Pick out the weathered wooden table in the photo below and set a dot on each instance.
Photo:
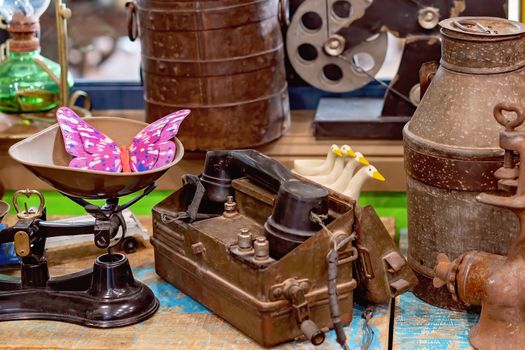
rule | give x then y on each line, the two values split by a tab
182	323
418	325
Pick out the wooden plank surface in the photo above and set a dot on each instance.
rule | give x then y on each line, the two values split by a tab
297	143
418	325
180	323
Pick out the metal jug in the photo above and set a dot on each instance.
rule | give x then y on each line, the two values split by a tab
452	151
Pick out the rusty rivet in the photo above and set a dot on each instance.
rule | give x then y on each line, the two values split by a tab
230	208
304	286
198	248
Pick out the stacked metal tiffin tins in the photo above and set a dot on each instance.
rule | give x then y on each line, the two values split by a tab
222	59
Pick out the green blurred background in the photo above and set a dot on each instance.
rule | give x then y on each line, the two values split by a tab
385	203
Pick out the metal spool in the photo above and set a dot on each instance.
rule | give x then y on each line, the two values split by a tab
222	59
319	54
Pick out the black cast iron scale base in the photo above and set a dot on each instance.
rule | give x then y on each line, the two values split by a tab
105	296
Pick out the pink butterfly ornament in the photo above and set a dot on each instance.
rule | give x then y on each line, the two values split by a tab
150	149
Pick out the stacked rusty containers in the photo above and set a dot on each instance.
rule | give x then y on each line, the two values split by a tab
452	149
223	59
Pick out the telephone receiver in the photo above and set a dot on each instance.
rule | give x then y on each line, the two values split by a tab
382	270
290	223
222	167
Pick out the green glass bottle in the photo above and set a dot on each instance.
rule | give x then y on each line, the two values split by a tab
28	81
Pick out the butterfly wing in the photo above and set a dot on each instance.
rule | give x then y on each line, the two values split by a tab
91	148
152	147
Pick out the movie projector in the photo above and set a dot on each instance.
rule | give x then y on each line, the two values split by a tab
339	46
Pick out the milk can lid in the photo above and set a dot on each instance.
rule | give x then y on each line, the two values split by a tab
483	26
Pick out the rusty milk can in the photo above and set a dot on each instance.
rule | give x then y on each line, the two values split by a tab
452	150
223	59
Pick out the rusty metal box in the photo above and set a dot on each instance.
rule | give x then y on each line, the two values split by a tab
198	259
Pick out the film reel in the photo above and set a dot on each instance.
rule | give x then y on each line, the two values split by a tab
318	53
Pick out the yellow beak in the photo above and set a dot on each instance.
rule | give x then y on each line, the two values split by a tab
377	175
363	161
338	152
350	153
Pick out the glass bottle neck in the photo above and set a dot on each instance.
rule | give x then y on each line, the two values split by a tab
20	55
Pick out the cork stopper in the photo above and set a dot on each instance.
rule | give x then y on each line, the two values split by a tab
22	31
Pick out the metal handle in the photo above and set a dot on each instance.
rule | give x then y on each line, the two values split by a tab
470	26
262	169
133	28
26	214
283	14
427	72
509	124
366	262
75	97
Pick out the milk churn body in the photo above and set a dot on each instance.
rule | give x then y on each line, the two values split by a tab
224	60
452	150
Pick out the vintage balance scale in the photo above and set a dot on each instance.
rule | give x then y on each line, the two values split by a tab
106	295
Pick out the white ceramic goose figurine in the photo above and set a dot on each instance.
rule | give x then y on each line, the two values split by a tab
336	171
313	167
353	190
348	172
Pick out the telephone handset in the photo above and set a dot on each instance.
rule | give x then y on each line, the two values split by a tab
282	225
290	223
221	167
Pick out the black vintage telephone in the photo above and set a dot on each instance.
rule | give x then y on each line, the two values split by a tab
248	191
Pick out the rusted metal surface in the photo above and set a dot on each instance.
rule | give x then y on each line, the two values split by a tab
451	146
223	59
378	253
427	72
242	293
450	173
471	40
273	294
490	280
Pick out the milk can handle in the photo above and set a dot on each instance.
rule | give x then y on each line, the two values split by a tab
283	14
470	26
133	26
509	124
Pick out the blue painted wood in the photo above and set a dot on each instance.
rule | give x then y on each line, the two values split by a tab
113	95
180	323
174	301
418	325
129	95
